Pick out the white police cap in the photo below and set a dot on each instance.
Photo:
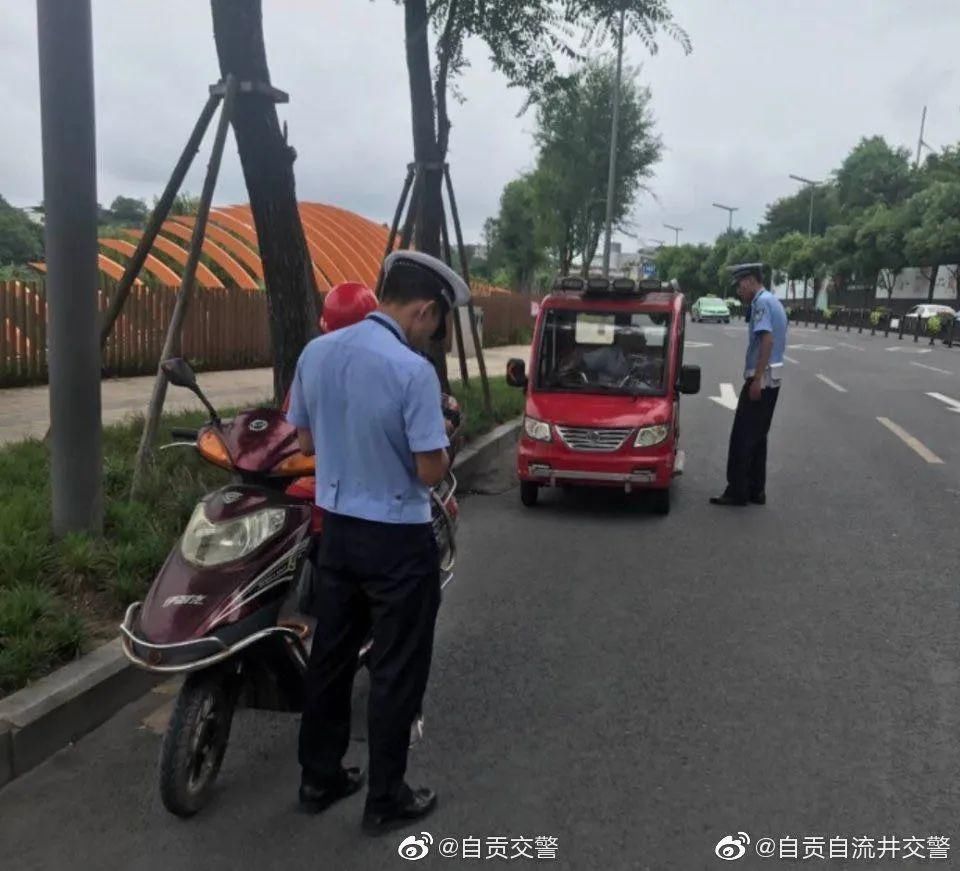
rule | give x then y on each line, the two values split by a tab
451	287
742	270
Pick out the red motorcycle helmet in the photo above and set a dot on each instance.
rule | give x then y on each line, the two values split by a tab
346	304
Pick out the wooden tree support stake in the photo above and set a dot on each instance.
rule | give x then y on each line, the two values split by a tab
172	340
465	269
160	213
410	200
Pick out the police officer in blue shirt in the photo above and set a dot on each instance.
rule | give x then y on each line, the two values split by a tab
747	457
369	404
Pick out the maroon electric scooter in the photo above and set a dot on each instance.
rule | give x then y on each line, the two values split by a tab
229	608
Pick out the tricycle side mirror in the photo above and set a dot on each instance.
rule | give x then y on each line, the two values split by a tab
179	373
516	373
689	379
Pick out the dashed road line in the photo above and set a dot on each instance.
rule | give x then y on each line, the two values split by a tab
852	346
832	384
931	368
911	442
791	360
952	404
908	350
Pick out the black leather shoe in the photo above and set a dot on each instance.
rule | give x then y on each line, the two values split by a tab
416	804
314	799
727	500
760	499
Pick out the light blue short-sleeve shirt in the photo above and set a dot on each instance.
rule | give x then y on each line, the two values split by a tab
371	402
767	315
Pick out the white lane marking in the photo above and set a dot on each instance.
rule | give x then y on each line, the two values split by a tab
832	384
852	346
727	397
909	350
931	368
790	360
811	347
698	344
911	442
952	404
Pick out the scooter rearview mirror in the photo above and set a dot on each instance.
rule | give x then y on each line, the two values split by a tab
179	373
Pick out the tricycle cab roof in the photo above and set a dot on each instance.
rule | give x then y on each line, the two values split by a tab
620	294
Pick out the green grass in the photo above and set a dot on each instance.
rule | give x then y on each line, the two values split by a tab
507	402
57	598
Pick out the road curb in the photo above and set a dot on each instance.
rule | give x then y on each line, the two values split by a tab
58	709
474	459
64	706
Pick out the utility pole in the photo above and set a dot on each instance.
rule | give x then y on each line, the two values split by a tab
65	42
729	210
920	142
677	231
614	135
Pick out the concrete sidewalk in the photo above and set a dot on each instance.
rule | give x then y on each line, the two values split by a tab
25	411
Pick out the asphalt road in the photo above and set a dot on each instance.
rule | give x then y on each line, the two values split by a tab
636	687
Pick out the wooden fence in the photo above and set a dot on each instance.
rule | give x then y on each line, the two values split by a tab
224	329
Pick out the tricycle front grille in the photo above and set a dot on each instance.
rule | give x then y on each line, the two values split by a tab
593	440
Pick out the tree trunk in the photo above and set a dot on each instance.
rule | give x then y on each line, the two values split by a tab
267	163
933	281
426	151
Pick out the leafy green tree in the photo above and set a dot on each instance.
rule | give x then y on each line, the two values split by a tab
792	213
184	203
933	238
880	254
685	264
942	166
20	238
573	133
710	270
518	247
835	254
874	173
527	42
128	211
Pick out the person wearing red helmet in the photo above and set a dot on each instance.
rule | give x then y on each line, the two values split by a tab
345	305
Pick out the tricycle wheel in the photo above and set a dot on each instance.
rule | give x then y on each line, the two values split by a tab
661	501
195	741
529	491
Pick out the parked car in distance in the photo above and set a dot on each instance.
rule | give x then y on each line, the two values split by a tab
927	311
710	308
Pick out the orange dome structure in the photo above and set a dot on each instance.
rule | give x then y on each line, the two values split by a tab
343	247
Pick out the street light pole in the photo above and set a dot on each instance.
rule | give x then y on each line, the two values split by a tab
614	134
813	187
677	231
920	142
65	43
729	210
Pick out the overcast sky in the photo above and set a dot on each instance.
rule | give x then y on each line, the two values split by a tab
772	87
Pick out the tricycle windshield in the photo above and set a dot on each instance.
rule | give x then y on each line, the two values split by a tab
589	351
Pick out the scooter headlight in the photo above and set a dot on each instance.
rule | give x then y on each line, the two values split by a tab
206	543
537	429
651	435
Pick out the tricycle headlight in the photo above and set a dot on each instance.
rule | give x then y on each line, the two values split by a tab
537	429
206	543
648	436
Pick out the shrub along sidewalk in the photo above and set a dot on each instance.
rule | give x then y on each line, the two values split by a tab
58	599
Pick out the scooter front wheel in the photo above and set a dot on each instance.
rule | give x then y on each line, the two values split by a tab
195	741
